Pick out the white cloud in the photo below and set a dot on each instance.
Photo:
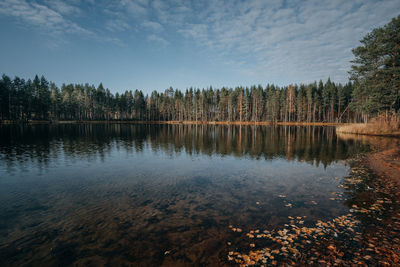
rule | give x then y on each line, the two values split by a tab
300	41
42	16
158	39
53	22
270	40
296	40
117	25
135	7
152	25
63	7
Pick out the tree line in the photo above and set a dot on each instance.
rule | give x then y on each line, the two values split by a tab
39	99
373	88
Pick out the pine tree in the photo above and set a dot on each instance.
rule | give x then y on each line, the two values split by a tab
376	70
290	102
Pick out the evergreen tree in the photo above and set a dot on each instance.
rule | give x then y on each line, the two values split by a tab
39	99
376	70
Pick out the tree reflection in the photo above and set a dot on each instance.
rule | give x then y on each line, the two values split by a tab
20	144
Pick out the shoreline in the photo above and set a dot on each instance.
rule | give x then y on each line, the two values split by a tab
369	129
366	236
385	163
357	129
267	123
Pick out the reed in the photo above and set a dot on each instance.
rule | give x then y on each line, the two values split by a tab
384	125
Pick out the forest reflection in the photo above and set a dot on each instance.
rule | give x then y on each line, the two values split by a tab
42	143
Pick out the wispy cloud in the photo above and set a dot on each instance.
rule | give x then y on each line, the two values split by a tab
42	16
55	19
63	7
134	7
151	25
117	25
263	40
158	39
303	40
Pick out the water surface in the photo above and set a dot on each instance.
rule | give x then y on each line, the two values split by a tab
152	195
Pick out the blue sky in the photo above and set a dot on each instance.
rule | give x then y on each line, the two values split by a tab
153	44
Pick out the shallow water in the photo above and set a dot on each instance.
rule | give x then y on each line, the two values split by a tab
158	194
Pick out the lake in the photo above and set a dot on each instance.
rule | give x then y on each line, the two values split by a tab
150	195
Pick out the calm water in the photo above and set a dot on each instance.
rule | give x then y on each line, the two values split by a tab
150	195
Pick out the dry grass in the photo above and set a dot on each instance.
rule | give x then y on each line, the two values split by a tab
383	126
